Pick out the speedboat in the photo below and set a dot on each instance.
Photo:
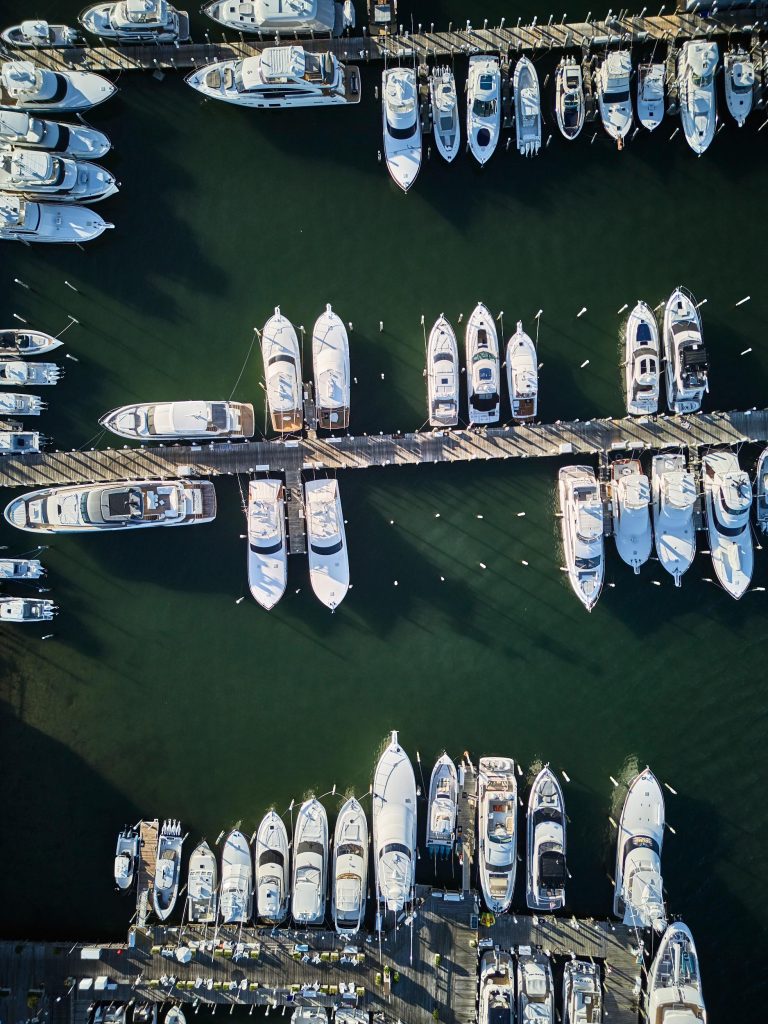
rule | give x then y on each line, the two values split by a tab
349	886
442	807
739	84
650	95
401	125
497	831
24	221
674	993
279	77
127	505
696	67
328	559
497	988
16	373
300	17
684	352
569	98
26	343
582	519
26	609
126	858
761	491
57	179
202	881
482	354
21	569
167	869
546	875
23	86
20	405
442	375
330	362
394	829
582	993
39	34
12	442
310	864
170	421
271	858
728	499
282	370
673	495
631	497
483	107
267	553
137	21
236	895
174	1015
638	895
535	988
522	376
641	361
27	132
613	95
445	112
527	108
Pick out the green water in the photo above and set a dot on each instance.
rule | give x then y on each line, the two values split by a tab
159	695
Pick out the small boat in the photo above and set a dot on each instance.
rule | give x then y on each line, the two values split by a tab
20	405
349	886
26	609
23	86
535	988
728	499
674	982
21	569
202	883
483	107
582	510
236	894
613	95
136	21
642	362
522	376
267	552
445	112
144	1013
310	864
328	558
650	95
442	375
761	491
394	829
673	496
582	993
39	34
442	807
282	370
497	988
687	368
25	221
546	875
171	421
126	857
27	132
271	860
696	68
26	343
175	1015
482	354
301	17
167	869
639	895
401	126
330	362
497	831
631	498
56	179
527	108
569	98
13	442
16	373
739	84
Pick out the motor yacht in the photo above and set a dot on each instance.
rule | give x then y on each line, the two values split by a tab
739	84
330	363
171	421
482	354
394	829
761	491
20	405
39	34
349	887
638	895
497	831
20	129
650	95
497	988
631	499
23	86
401	126
673	496
684	352
522	376
13	442
569	98
21	569
267	551
535	988
26	609
136	21
236	896
546	874
202	883
642	361
696	68
483	107
25	221
271	17
445	112
581	508
582	993
527	108
56	179
310	864
127	505
271	859
282	371
728	499
328	559
126	858
167	869
442	807
442	375
16	373
613	95
674	993
26	343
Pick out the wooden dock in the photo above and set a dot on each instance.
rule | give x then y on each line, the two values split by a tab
145	880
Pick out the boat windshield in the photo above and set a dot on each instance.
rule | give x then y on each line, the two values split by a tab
616	97
401	133
484	108
703	81
587	563
332	549
271	857
395	848
349	850
266	549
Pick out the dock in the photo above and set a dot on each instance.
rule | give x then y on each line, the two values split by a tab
145	880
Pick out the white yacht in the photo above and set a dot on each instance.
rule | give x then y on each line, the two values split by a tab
136	21
696	68
26	343
394	829
581	508
26	609
310	864
482	355
202	883
582	993
613	95
330	363
126	858
650	95
12	442
15	373
674	993
401	125
497	831
127	505
236	895
497	988
23	86
349	886
267	552
271	859
522	376
326	537
25	221
170	421
445	112
56	179
761	491
442	807
673	494
642	362
174	1015
39	34
300	17
20	129
569	98
684	353
21	569
167	869
527	108
282	372
483	107
638	895
546	875
739	84
20	404
535	988
728	499
631	499
442	375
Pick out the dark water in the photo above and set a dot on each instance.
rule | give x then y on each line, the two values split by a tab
159	695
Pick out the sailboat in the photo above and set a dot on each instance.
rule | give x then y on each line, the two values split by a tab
394	828
638	895
442	807
349	884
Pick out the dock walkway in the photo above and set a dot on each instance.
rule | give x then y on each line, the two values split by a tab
145	877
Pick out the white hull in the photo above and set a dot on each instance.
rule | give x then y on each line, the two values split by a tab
674	983
650	95
497	989
445	113
483	107
167	869
22	220
21	569
173	421
642	361
282	372
236	896
443	375
58	92
582	993
673	495
546	845
103	19
761	491
522	376
535	990
527	108
697	60
569	98
310	864
683	338
202	879
631	496
300	18
582	525
23	344
267	552
442	806
497	831
394	828
38	34
401	126
271	859
20	404
36	174
638	897
350	869
482	355
15	373
739	85
23	131
330	363
126	858
730	535
327	542
613	95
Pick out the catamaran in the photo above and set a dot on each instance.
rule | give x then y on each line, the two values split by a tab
483	107
569	98
401	125
267	552
349	885
282	372
126	858
236	897
527	108
673	496
631	497
394	829
27	132
582	993
443	375
26	343
23	86
546	875
202	879
728	499
445	112
482	354
581	509
310	863
650	95
497	831
497	988
442	807
674	993
167	869
686	358
535	988
171	421
613	95
522	376
638	894
271	859
696	68
739	84
327	541
330	363
642	361
136	21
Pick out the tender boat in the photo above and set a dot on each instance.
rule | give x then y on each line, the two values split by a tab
57	179
546	875
26	343
684	352
650	95
16	373
202	883
482	354
27	132
497	988
300	17
236	896
582	993
443	375
569	98
167	869
25	221
613	95
21	569
535	988
642	361
271	859
673	494
445	112
674	993
310	864
328	559
631	498
522	376
137	21
330	363
282	370
442	807
26	609
23	86
638	895
497	831
401	126
739	84
169	421
349	887
728	499
394	829
582	510
483	107
761	491
696	68
527	108
127	505
20	405
12	442
126	858
267	552
39	34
